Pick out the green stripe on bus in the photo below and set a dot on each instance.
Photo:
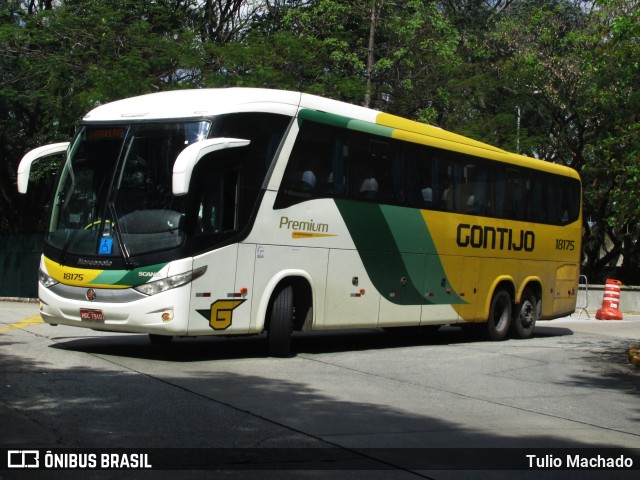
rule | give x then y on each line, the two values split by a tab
345	122
326	118
398	253
371	128
409	230
379	252
411	234
130	278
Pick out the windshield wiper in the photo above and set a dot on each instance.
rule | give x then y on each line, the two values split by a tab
118	234
65	249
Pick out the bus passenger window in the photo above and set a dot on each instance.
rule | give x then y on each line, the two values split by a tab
571	189
566	194
481	204
316	166
515	195
372	169
553	201
445	187
500	191
472	178
398	178
419	177
539	206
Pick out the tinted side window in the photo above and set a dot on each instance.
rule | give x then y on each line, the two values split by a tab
317	167
226	184
540	202
265	130
471	186
429	178
566	197
329	161
376	171
511	193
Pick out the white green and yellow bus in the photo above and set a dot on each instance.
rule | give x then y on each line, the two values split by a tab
239	211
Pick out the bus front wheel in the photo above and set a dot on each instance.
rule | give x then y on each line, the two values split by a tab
499	315
281	323
525	319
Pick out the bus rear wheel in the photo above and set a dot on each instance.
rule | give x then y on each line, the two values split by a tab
499	315
281	323
525	319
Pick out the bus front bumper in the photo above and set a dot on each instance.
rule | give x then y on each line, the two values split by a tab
116	310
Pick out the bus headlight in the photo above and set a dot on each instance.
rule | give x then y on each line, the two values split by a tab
45	279
165	284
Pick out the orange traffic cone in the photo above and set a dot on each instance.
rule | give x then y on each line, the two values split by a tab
610	302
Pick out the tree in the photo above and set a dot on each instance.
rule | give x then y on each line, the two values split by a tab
614	157
58	63
572	69
554	79
381	53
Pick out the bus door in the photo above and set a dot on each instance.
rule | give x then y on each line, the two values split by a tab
218	304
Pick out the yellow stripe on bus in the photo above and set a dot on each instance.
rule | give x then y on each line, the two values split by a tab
311	235
69	275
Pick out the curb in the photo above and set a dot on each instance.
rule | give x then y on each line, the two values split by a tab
634	356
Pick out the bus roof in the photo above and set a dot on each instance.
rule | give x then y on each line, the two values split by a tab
201	103
190	103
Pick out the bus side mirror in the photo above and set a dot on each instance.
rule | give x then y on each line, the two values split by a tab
190	156
36	154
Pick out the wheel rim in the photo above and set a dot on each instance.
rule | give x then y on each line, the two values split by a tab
527	314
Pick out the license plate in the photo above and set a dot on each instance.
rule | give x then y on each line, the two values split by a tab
91	314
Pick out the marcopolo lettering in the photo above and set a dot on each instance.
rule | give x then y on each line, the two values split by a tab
495	238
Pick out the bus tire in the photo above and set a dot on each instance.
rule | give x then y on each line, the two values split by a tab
499	315
528	312
281	323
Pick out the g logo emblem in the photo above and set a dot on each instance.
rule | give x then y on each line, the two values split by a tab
220	315
91	294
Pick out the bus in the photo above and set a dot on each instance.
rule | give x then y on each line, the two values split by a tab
241	211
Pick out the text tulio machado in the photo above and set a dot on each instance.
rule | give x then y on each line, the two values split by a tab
579	462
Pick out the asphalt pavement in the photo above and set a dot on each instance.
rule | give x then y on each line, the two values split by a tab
345	389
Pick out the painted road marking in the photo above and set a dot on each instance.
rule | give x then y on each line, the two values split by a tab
34	320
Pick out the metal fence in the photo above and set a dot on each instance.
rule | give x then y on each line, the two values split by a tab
19	261
582	303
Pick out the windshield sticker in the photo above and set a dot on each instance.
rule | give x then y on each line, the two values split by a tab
106	245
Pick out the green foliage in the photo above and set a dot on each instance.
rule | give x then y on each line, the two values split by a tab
60	63
554	79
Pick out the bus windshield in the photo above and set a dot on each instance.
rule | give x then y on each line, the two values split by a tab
114	195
